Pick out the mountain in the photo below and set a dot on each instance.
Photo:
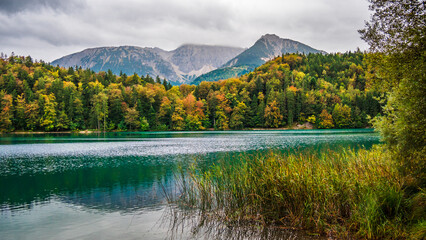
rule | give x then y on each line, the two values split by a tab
186	64
181	65
191	61
266	48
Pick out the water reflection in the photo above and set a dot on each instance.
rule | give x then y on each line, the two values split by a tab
102	179
119	184
192	224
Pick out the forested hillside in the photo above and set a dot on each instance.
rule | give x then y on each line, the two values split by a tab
328	91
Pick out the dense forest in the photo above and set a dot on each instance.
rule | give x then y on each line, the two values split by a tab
328	91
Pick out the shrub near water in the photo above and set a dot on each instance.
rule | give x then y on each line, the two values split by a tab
340	194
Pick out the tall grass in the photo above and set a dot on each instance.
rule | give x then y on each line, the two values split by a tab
341	194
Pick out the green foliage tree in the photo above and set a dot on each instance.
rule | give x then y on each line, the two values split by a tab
166	111
115	99
396	35
62	121
152	117
291	104
78	117
359	118
48	119
144	124
32	113
222	121
192	122
260	118
341	115
252	112
238	116
100	109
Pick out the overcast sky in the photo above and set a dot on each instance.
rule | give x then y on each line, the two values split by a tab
49	29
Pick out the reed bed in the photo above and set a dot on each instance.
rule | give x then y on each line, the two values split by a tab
345	194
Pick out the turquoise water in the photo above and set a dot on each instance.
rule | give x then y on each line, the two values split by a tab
111	185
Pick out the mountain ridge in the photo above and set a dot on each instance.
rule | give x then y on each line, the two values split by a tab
264	49
189	63
178	66
274	46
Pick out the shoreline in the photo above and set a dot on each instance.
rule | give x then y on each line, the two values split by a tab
294	127
59	132
304	126
205	130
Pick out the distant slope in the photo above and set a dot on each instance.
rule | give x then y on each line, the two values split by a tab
126	59
266	48
191	60
223	73
181	65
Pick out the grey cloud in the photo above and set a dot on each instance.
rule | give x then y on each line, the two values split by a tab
63	26
16	6
56	31
209	14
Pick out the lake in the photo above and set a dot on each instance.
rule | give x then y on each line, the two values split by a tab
111	185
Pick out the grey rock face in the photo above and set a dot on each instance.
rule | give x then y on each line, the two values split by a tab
181	65
186	64
266	48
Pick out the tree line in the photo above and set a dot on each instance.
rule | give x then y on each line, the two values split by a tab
328	91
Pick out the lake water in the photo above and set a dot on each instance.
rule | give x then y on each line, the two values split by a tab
111	186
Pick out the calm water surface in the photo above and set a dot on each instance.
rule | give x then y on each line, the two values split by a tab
111	186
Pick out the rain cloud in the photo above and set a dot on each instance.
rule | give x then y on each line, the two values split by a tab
49	29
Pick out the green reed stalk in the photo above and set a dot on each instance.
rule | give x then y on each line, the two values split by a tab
342	194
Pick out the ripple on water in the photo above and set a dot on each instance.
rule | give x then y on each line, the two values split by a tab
112	186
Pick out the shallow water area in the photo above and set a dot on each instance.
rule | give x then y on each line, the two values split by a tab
111	185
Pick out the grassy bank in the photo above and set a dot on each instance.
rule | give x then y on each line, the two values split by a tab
346	194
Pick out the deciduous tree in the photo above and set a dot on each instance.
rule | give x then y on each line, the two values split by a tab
397	38
325	120
6	114
131	118
273	116
238	116
342	115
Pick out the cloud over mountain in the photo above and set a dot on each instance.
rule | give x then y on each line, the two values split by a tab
49	29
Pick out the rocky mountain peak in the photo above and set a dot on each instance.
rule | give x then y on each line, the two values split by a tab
178	66
187	62
270	37
264	49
